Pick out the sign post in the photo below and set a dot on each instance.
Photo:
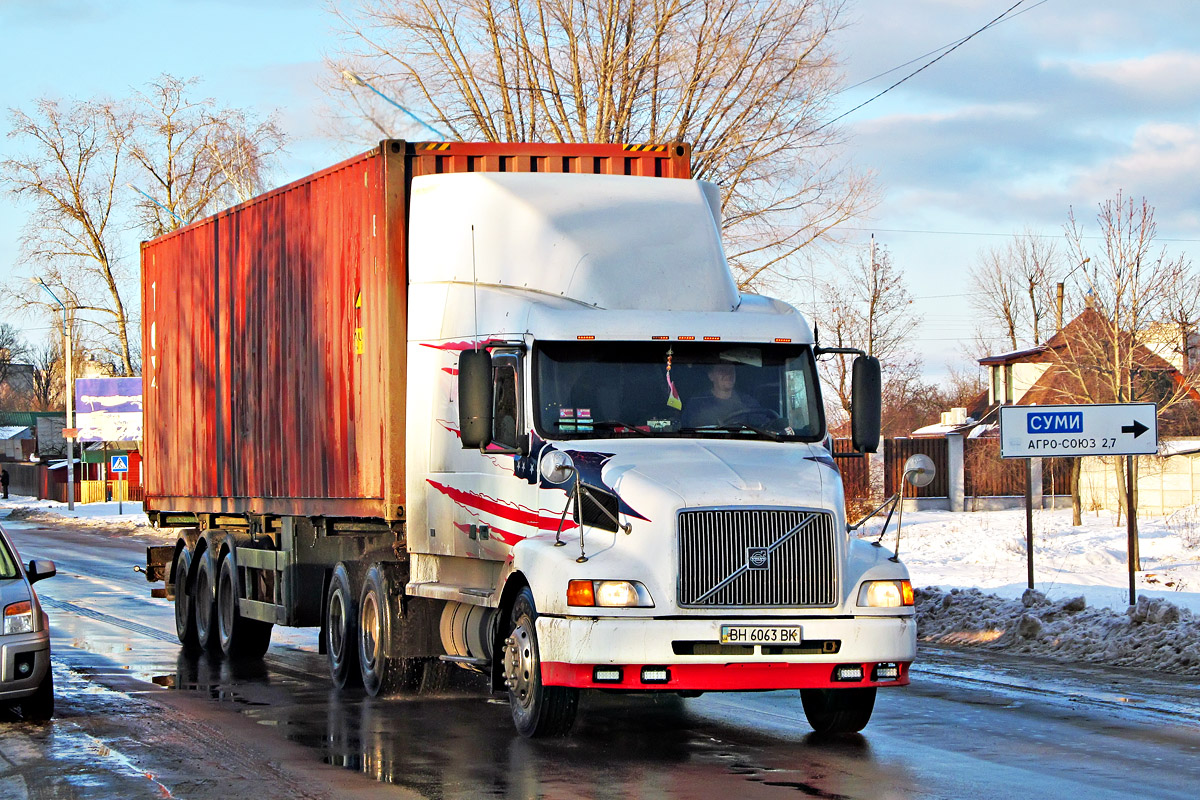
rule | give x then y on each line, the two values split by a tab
119	465
1114	429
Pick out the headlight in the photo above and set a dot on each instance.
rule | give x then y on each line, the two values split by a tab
18	617
610	594
886	594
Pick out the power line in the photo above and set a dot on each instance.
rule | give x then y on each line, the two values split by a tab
1010	234
955	43
918	71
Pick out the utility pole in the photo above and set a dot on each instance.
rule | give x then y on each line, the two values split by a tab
70	396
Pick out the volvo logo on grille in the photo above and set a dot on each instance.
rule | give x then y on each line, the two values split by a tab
758	558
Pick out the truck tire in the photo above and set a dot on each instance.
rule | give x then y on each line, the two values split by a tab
341	629
382	673
185	617
538	711
837	711
240	637
39	706
204	603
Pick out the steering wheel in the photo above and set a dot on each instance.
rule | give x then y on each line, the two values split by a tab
758	417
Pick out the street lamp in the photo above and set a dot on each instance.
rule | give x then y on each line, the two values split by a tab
357	81
70	398
1062	283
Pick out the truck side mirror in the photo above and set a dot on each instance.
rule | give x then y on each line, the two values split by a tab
866	404
475	398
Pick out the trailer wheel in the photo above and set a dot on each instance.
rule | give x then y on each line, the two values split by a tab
185	617
836	711
240	637
537	710
205	604
341	629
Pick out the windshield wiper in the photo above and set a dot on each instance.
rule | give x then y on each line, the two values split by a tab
738	428
613	424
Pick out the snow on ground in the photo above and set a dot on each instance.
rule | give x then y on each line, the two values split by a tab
123	519
971	571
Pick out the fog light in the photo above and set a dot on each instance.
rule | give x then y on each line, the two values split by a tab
655	675
848	673
885	672
607	675
23	665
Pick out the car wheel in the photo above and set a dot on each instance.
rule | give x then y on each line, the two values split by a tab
39	706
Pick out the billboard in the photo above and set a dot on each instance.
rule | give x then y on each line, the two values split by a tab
108	409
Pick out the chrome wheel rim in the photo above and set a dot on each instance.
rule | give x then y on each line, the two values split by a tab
337	626
520	664
370	631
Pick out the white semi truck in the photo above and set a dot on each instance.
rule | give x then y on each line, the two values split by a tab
504	406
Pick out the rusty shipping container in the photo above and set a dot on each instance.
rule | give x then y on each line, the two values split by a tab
274	333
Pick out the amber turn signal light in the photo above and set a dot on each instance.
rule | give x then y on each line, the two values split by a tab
580	593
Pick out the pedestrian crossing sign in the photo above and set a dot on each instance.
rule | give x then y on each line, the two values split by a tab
119	463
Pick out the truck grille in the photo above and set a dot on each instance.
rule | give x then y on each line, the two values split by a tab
731	558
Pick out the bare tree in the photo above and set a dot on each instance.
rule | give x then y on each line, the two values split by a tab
47	378
1108	353
747	82
1012	288
70	174
195	154
869	307
13	351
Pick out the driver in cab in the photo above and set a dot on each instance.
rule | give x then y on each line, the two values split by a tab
725	405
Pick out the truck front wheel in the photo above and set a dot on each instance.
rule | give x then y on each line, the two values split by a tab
537	710
835	711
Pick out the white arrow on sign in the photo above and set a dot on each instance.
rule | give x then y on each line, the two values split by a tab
1112	429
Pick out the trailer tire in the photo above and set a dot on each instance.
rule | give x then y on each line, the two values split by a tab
205	604
838	711
341	629
538	711
240	637
185	616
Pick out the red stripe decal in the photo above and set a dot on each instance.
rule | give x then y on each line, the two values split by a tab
522	515
460	346
715	677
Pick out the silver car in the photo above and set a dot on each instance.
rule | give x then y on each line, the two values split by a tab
25	677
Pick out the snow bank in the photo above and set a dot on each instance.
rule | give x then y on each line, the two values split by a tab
1153	635
101	517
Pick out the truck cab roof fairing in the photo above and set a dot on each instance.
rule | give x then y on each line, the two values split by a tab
610	241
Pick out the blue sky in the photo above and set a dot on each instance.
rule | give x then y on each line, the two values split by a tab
1058	107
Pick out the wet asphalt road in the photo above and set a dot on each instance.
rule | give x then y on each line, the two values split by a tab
138	719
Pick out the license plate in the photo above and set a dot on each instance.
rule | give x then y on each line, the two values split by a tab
760	634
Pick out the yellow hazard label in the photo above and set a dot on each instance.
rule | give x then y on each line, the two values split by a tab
645	148
358	341
358	300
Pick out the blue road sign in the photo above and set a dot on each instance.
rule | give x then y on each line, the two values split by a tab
119	463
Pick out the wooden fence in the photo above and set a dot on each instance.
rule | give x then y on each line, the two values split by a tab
897	451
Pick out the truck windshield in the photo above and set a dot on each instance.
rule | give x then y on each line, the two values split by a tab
606	389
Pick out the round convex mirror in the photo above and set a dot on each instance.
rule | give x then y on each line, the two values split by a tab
919	470
557	466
